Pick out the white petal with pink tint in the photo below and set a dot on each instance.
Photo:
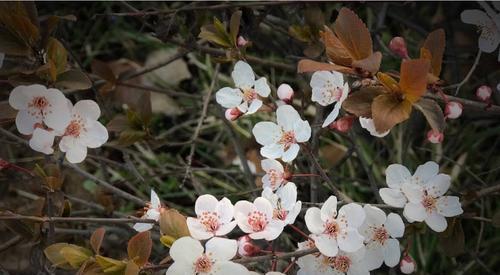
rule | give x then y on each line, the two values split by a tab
369	125
453	109
42	141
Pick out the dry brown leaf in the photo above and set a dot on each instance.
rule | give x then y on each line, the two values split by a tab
388	110
360	103
307	65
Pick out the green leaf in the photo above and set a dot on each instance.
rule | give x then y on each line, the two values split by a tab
210	33
67	256
57	54
130	136
110	265
234	26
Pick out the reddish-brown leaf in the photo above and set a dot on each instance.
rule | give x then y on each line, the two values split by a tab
432	112
370	64
435	44
360	103
139	248
335	50
353	34
97	238
388	110
103	70
307	65
413	78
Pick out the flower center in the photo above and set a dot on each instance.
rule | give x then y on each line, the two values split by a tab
38	105
280	214
380	235
203	264
210	220
429	203
249	94
74	128
287	139
257	220
332	228
340	263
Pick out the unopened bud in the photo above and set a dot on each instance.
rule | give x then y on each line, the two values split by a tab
233	114
435	136
4	164
453	109
483	93
241	42
246	247
285	93
407	265
398	47
343	124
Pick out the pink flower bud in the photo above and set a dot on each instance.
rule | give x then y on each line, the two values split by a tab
285	93
343	124
453	109
4	164
246	247
233	114
483	93
435	136
407	264
241	42
398	47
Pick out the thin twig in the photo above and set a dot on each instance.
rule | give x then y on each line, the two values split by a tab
472	69
74	219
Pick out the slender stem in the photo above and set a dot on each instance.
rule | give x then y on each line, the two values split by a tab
6	216
472	69
302	233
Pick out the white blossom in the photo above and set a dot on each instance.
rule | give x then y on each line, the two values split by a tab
275	174
380	232
214	218
190	257
257	220
488	25
153	210
332	231
246	95
281	139
38	105
328	88
427	203
342	263
83	130
396	175
284	201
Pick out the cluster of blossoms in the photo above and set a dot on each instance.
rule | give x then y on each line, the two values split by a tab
421	194
45	114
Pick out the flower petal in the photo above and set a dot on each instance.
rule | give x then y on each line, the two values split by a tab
262	88
186	250
290	154
438	185
329	208
141	227
229	97
96	134
302	130
269	164
241	211
414	212
243	75
449	206
266	133
254	106
225	210
205	203
332	116
292	215
221	249
42	141
264	206
413	192
326	245
425	172
436	222
287	195
351	240
227	267
392	252
374	257
374	215
286	117
369	125
76	153
272	151
180	268
313	220
198	230
393	197
25	122
272	231
88	109
354	215
394	225
225	228
396	175
22	95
